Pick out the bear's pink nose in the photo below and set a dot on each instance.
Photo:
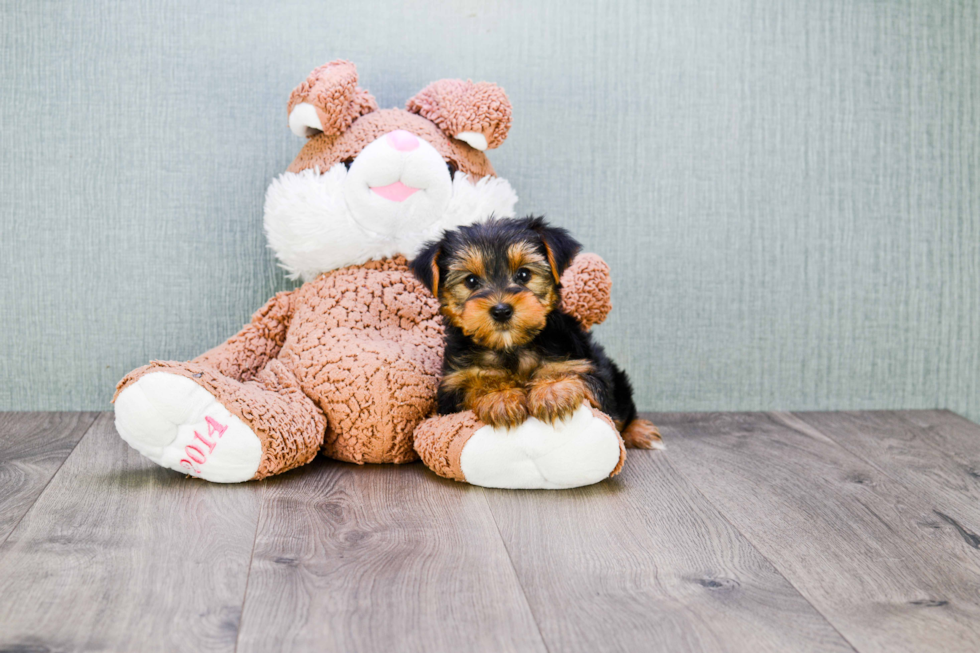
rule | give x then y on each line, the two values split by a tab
402	141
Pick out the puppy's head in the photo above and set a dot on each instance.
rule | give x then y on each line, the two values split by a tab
498	280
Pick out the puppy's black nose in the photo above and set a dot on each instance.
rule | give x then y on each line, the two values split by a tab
501	312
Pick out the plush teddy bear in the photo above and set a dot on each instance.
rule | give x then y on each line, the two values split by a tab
348	364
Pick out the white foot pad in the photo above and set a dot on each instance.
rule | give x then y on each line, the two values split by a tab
178	424
581	450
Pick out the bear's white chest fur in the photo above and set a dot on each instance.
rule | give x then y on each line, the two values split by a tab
312	227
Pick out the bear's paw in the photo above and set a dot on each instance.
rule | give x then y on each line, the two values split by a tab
177	424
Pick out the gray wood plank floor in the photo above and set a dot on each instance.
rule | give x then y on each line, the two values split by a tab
751	532
868	552
32	448
374	558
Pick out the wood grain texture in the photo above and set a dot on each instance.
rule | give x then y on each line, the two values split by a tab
644	563
788	193
32	448
870	554
752	532
935	454
381	558
118	554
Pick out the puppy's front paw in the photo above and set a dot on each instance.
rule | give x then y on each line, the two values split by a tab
502	408
551	400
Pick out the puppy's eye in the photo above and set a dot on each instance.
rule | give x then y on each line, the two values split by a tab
452	169
472	281
523	276
347	163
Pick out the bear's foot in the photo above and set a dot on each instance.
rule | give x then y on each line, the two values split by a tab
581	450
176	423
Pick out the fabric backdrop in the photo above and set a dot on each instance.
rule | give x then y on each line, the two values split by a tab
788	192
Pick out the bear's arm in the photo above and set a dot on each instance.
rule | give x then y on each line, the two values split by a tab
245	353
586	287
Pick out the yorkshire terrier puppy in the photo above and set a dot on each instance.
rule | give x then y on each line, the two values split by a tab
511	351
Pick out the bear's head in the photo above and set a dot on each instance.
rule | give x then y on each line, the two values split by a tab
374	183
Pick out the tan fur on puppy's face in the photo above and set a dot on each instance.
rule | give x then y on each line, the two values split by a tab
528	320
453	293
542	283
480	278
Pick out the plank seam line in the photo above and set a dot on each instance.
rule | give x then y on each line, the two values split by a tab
871	463
517	577
248	573
780	419
95	418
898	482
763	555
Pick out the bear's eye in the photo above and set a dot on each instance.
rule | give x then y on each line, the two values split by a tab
452	168
472	281
347	163
523	276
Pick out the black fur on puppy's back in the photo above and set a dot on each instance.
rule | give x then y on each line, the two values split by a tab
563	336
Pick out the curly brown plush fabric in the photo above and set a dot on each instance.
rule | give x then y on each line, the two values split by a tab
458	106
244	354
351	120
367	345
586	288
358	354
622	446
288	424
322	151
439	441
333	91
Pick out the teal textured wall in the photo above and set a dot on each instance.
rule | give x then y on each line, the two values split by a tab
788	192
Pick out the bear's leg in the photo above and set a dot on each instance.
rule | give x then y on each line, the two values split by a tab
581	450
192	419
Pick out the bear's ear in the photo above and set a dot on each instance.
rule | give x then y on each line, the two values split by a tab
425	266
559	246
478	114
328	101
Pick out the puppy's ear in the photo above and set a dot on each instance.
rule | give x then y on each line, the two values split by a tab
559	245
425	266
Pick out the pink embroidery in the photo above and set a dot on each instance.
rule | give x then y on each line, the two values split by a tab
193	447
195	454
189	466
214	426
207	443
